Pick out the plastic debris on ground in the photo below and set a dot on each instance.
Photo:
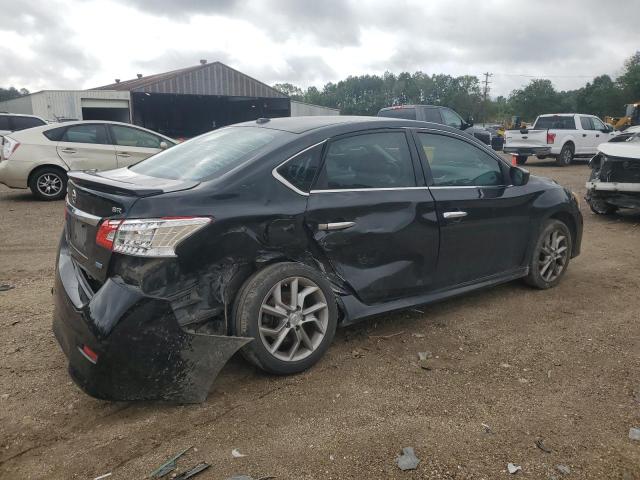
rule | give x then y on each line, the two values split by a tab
486	428
408	459
634	433
106	475
541	446
563	469
235	453
5	286
513	469
168	466
201	467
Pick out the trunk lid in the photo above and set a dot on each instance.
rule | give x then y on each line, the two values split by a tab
93	197
525	138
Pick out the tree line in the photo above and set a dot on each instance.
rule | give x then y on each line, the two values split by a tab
366	94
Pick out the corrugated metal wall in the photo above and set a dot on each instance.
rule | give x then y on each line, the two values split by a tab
67	104
300	109
17	105
216	79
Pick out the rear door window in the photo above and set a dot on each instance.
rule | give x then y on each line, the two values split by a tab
91	133
454	162
22	123
373	160
557	122
408	113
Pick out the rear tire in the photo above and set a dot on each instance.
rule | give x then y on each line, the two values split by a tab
566	155
48	183
286	339
551	255
521	159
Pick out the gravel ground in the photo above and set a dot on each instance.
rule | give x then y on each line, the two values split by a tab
559	365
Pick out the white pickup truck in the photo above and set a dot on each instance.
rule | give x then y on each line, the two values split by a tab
563	136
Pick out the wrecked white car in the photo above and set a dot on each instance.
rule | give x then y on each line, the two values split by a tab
615	177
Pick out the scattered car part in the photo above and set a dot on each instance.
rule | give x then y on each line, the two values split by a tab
408	459
513	469
201	467
170	465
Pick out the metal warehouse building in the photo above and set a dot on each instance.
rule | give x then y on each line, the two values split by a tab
180	103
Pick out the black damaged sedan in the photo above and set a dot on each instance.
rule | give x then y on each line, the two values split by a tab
265	236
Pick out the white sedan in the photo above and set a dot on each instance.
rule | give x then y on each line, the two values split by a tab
39	158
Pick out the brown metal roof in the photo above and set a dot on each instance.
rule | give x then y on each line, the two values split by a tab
209	79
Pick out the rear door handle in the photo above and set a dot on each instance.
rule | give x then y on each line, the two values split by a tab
335	225
453	215
123	154
69	150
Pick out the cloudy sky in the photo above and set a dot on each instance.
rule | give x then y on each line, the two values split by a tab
86	43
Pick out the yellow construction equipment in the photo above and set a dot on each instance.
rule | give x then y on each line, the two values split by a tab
631	117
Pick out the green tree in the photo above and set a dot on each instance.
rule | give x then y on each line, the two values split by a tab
629	81
289	89
600	97
11	92
536	98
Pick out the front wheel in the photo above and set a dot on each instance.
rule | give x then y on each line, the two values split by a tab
551	255
290	311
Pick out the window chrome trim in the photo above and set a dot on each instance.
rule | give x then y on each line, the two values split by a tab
283	180
381	189
83	216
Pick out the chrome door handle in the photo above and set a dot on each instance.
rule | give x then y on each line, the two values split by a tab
69	150
450	215
122	154
335	225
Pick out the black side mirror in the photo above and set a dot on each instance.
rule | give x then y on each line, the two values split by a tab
469	121
519	176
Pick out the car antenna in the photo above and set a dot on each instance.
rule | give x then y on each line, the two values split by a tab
263	120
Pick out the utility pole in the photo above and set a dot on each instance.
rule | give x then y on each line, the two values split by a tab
485	92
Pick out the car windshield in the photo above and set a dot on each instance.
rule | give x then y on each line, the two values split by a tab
210	155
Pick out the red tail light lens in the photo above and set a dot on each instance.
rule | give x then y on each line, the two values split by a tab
89	354
551	137
107	233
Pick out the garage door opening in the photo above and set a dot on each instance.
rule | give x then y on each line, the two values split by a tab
186	116
112	114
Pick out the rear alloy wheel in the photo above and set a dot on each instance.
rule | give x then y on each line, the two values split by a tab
550	256
566	155
521	159
49	183
290	311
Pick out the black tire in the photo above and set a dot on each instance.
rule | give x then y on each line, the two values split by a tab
248	313
521	159
600	207
566	155
536	277
541	157
54	177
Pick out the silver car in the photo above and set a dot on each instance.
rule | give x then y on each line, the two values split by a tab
39	158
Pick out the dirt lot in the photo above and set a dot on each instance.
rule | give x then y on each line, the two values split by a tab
560	365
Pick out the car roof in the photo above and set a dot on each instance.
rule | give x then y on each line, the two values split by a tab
20	115
400	107
566	115
307	124
52	126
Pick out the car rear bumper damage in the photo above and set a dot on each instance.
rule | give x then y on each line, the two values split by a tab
124	345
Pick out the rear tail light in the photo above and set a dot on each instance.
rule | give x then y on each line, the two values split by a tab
153	237
551	137
9	147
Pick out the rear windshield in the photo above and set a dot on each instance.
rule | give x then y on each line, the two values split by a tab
557	122
210	155
408	113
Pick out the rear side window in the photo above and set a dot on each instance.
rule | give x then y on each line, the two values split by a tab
55	134
374	160
432	115
586	123
91	133
558	122
454	162
4	123
210	155
408	113
22	123
301	170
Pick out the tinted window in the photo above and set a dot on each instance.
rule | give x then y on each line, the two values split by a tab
4	123
55	134
301	170
454	162
586	123
557	122
375	160
22	123
91	133
431	115
210	155
451	118
400	112
132	137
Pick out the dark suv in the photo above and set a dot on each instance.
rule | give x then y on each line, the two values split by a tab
266	235
437	114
